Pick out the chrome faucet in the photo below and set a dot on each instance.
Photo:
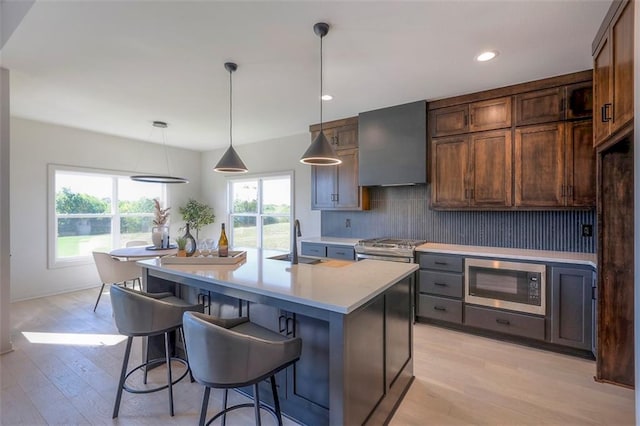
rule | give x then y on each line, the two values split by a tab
294	249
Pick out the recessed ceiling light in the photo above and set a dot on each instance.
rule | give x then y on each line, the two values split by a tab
326	97
487	56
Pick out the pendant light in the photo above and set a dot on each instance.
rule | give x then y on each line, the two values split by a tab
161	178
230	161
320	152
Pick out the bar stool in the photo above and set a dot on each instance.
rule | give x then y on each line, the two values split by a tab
148	314
232	353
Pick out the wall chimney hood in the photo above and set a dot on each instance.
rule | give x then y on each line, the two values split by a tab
393	145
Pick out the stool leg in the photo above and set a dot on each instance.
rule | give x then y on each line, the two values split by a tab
146	360
166	350
205	403
99	295
224	406
186	355
276	400
256	402
123	373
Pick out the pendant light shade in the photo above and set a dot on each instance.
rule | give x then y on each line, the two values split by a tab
320	152
160	178
230	161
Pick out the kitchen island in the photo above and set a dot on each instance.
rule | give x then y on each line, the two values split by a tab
354	319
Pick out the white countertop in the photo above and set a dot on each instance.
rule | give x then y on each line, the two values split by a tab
511	253
335	285
332	240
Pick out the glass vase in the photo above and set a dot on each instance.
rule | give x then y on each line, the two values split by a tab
160	236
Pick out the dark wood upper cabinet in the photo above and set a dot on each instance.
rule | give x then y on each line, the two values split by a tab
336	187
541	106
490	173
449	121
578	100
450	169
613	74
539	165
490	114
580	164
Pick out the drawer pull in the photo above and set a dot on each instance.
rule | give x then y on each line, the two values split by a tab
440	263
440	308
440	284
340	253
282	323
502	321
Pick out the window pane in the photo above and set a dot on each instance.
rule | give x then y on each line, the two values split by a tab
137	197
79	237
244	231
276	233
245	197
136	228
82	193
276	196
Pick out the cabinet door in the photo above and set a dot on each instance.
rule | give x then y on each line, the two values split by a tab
601	91
449	121
622	67
581	165
323	184
345	136
579	100
450	169
308	379
571	307
539	166
490	178
347	190
489	115
541	106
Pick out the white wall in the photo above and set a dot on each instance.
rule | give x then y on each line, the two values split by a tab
5	215
34	145
276	155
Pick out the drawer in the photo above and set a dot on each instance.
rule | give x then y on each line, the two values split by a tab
504	322
441	283
341	252
313	249
441	262
440	308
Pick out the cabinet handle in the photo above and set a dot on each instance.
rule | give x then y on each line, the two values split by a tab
289	328
282	323
502	321
563	192
337	198
471	193
440	263
440	308
340	253
570	191
440	284
606	112
563	102
465	120
471	119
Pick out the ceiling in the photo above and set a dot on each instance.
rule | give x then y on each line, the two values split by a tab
114	67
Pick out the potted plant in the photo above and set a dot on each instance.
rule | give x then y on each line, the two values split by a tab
197	215
160	231
182	244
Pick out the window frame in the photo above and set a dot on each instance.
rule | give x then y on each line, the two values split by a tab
53	262
259	215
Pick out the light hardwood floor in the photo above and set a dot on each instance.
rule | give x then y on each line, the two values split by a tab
460	379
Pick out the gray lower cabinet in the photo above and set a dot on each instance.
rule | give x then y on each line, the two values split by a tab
332	251
505	322
440	287
572	307
306	383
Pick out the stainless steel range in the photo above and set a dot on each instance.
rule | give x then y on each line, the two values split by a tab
391	249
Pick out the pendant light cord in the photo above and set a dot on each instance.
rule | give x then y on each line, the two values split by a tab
321	37
230	109
166	155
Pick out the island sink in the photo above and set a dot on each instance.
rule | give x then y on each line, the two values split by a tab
301	259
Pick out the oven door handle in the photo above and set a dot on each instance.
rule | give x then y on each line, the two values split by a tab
362	256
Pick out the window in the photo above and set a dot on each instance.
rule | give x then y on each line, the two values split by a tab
96	211
260	212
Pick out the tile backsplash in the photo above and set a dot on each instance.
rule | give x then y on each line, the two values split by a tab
403	212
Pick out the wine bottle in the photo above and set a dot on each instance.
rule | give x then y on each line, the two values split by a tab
223	244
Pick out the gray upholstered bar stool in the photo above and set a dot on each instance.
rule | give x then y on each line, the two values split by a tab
148	314
232	353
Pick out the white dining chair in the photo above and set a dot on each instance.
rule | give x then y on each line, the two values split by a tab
115	271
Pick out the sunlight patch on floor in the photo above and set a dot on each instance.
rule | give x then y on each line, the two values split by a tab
76	339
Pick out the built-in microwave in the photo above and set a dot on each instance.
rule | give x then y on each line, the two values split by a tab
506	285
